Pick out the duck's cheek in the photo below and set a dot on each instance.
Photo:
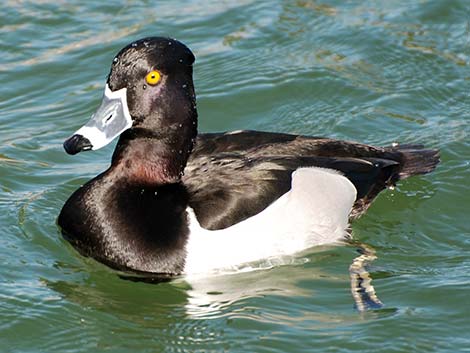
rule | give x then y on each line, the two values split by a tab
108	122
147	101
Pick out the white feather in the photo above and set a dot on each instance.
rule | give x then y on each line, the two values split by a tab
315	211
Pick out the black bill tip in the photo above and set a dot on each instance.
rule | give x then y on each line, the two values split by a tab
77	143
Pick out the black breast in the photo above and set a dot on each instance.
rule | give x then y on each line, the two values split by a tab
129	227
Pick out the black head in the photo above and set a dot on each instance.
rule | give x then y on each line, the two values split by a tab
149	90
171	96
149	100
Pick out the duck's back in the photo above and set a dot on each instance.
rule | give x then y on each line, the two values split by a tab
234	176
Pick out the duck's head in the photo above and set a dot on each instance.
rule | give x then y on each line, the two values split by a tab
149	93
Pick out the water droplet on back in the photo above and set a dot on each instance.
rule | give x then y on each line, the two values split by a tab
184	86
115	60
134	44
144	87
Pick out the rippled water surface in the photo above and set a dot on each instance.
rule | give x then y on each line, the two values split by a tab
371	71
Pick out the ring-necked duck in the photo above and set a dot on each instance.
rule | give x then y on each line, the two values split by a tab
176	202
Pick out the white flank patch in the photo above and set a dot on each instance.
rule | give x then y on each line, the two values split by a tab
315	211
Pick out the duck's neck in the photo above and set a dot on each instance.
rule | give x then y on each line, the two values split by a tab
147	158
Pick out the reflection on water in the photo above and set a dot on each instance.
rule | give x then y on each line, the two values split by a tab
208	294
212	296
362	290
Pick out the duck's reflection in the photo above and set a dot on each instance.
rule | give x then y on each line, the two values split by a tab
209	295
362	290
214	296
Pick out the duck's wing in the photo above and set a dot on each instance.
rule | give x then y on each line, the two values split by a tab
233	176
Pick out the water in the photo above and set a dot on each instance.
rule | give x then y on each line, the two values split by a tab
370	71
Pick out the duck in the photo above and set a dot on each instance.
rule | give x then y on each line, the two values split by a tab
177	202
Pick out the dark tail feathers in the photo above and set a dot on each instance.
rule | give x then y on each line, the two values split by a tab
415	160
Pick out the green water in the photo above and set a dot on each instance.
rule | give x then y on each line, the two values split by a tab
371	71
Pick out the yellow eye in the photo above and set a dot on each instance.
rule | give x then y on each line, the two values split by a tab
152	78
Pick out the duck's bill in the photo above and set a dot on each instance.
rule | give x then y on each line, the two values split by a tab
108	122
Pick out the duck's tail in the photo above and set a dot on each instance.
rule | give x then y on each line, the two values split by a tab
415	160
